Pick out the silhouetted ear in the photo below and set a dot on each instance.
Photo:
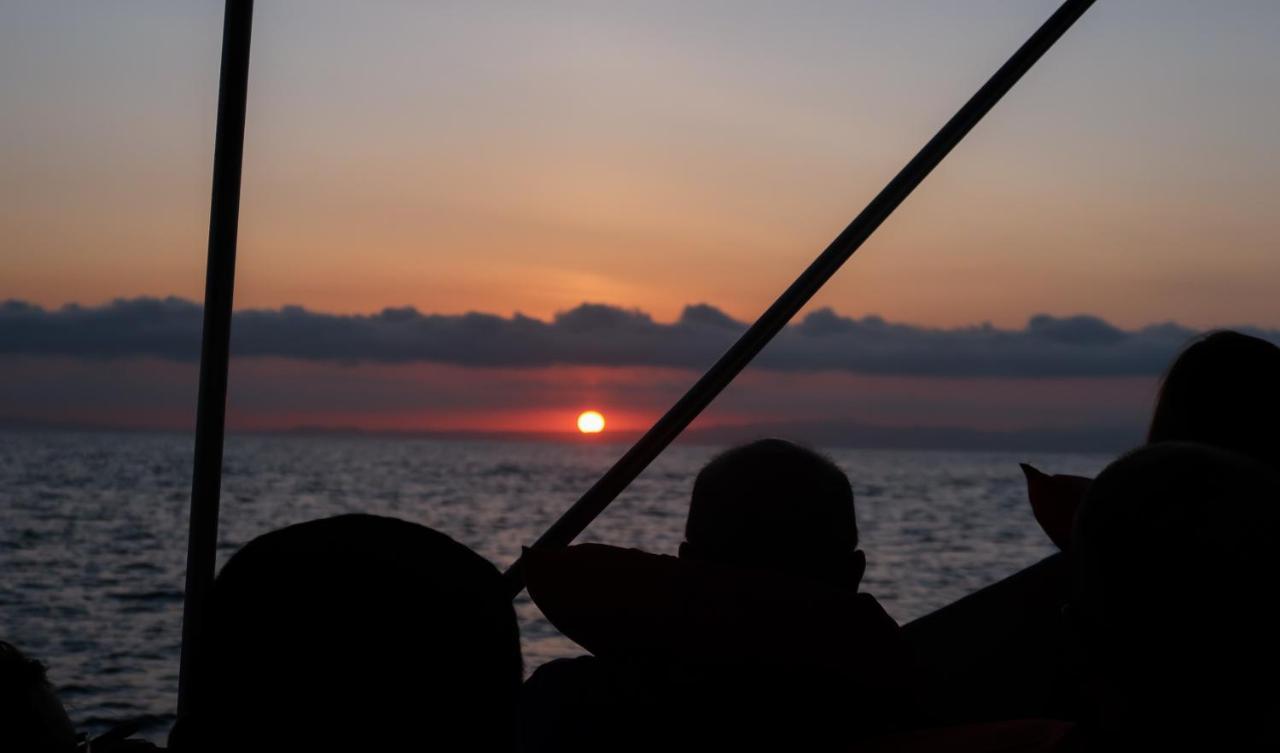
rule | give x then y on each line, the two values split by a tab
857	567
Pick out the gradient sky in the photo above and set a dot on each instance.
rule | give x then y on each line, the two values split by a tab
480	157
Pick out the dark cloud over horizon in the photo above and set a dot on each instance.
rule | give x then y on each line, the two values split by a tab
600	335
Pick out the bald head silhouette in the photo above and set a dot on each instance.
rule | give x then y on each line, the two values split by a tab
776	505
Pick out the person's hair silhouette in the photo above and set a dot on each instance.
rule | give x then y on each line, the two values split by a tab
1223	390
1173	599
31	716
361	632
774	504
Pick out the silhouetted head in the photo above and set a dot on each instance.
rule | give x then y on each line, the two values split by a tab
774	504
31	716
1223	390
360	632
1175	596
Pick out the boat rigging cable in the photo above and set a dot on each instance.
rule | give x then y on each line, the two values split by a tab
219	284
771	322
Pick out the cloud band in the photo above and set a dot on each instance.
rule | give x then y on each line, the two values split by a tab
600	335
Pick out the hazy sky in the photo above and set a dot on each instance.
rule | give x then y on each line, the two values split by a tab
519	157
477	156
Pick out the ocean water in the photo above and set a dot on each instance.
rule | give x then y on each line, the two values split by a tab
93	531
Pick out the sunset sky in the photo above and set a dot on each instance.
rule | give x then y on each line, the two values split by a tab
649	156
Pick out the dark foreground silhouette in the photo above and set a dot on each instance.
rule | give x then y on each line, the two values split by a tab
33	719
1155	654
755	637
358	633
1171	629
31	716
1002	652
1173	605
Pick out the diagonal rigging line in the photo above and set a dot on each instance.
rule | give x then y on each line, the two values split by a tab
771	322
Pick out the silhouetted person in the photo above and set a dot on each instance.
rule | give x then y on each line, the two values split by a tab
1223	390
32	719
775	505
769	517
358	633
1001	652
1174	601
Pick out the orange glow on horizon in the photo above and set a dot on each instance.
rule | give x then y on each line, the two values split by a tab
590	422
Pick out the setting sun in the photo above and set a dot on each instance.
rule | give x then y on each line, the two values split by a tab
591	422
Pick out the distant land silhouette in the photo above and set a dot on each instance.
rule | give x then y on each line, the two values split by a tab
827	434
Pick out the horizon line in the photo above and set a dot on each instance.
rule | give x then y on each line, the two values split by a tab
842	434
